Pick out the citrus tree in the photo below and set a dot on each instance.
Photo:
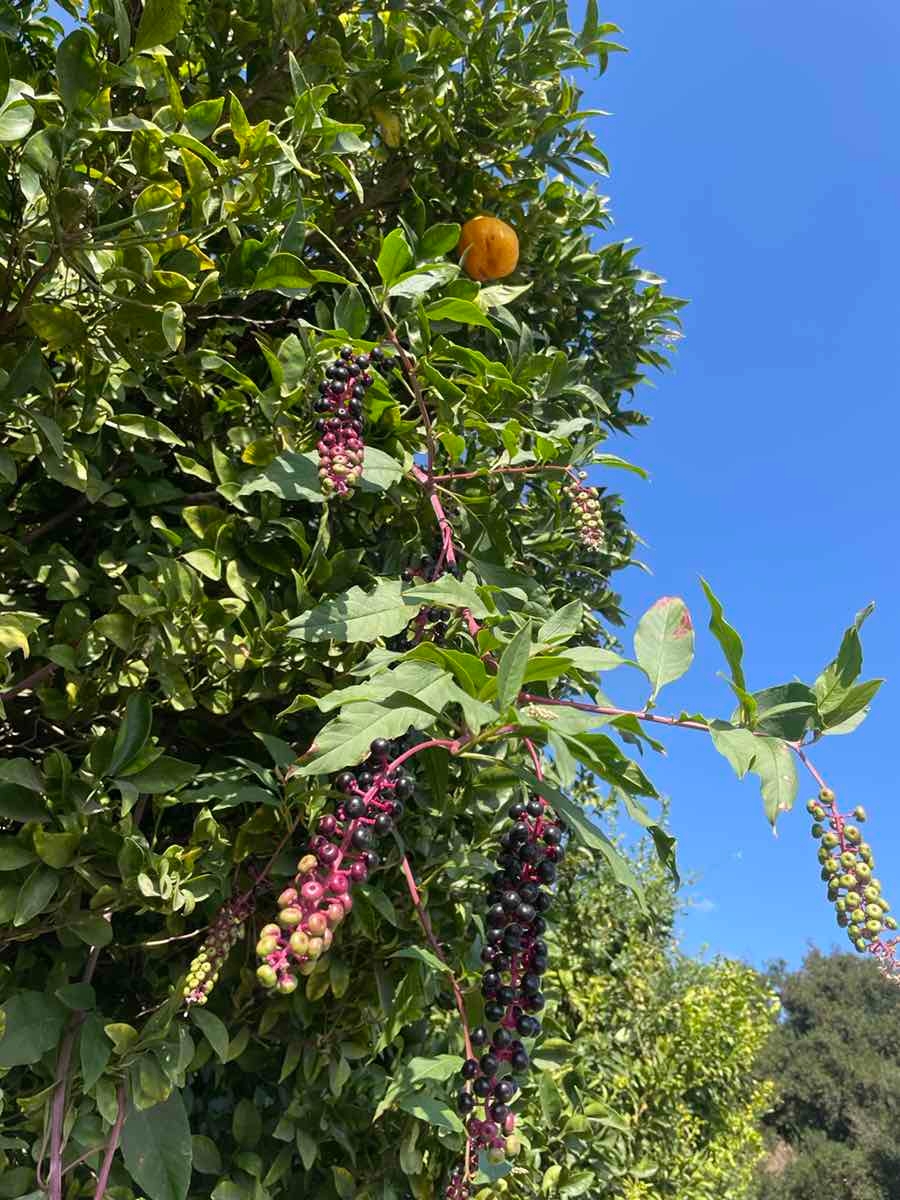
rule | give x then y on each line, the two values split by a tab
311	330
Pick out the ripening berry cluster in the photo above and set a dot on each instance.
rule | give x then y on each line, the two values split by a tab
340	419
340	854
226	929
587	512
429	624
515	957
847	863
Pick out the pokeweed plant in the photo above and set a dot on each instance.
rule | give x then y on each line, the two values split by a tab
237	634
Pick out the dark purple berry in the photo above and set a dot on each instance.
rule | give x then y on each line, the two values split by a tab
519	1061
502	1038
362	837
345	782
504	1091
355	807
479	1035
383	825
546	872
470	1068
481	1088
489	1064
494	1011
465	1102
371	858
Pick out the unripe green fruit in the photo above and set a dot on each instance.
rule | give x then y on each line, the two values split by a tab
854	930
825	873
852	834
873	891
882	904
290	917
287	984
858	915
859	814
826	795
860	943
266	946
833	892
841	904
890	922
823	855
811	807
863	871
832	866
848	860
865	849
818	812
843	920
317	923
873	926
307	863
513	1146
817	831
299	943
847	881
496	1155
316	946
853	899
287	897
874	910
266	975
830	840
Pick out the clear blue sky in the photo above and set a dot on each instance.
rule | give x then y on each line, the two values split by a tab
755	156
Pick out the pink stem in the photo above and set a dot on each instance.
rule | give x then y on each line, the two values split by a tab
533	469
112	1145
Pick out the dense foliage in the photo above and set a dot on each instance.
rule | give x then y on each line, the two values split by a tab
836	1068
208	613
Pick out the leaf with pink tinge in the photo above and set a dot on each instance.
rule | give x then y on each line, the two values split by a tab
664	642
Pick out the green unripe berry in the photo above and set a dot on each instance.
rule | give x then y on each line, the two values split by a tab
266	946
853	899
860	943
811	806
316	947
848	860
270	931
858	915
290	917
287	984
317	923
873	926
299	943
817	830
847	881
266	975
882	904
825	873
823	855
830	840
307	863
818	812
833	892
852	834
874	910
826	795
859	814
841	904
863	871
496	1155
513	1146
843	920
890	922
873	891
854	930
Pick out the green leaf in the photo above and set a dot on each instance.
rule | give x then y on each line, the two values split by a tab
23	772
853	706
355	616
463	312
380	471
351	313
213	1030
727	637
56	325
16	120
37	892
785	711
290	476
161	20
438	240
430	1109
203	117
21	804
77	71
4	71
283	272
33	1025
774	764
346	740
94	1049
93	931
837	680
511	671
206	1157
122	1036
664	642
427	957
79	997
447	591
144	427
164	775
56	849
564	623
157	1149
173	324
246	1124
737	745
393	257
133	733
14	855
344	1183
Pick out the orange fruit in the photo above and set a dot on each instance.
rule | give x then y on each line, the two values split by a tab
492	246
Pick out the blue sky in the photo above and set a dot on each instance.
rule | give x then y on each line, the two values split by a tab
754	155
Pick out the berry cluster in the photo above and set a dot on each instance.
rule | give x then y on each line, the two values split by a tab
847	863
515	958
226	929
340	419
586	509
340	854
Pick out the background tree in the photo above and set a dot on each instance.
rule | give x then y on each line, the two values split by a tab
836	1068
210	214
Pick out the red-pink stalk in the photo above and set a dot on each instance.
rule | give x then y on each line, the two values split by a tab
112	1145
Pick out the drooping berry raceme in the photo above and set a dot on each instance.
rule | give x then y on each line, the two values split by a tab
339	423
515	957
340	854
587	512
430	624
847	869
226	929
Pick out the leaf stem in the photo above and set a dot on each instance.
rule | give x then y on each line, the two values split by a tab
112	1145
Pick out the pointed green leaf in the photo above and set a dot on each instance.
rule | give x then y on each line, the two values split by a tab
33	1025
393	257
213	1030
133	732
36	893
157	1149
161	20
664	642
463	312
94	1049
290	476
77	70
355	616
727	637
511	671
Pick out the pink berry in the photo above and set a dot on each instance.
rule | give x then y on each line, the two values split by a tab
287	897
316	924
312	891
338	882
359	872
